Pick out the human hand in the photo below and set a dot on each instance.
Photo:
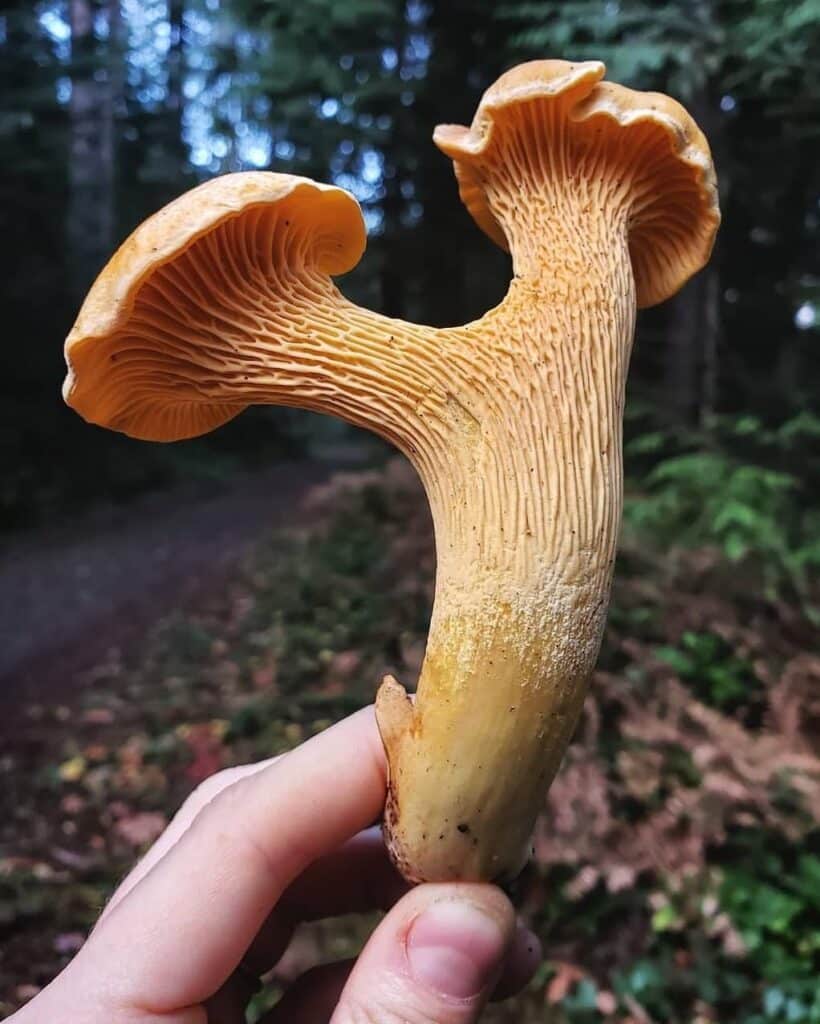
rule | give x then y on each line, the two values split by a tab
253	852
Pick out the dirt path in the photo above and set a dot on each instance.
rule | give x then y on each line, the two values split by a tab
68	596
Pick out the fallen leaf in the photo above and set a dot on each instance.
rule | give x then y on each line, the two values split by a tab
10	865
637	1011
344	664
620	877
142	828
73	769
606	1002
566	976
204	740
97	781
264	677
641	771
294	733
118	809
72	803
98	716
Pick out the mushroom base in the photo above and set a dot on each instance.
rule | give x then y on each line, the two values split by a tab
472	757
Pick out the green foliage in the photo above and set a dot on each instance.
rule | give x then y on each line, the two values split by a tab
711	668
775	905
28	897
757	48
746	71
768	44
638	40
315	605
758	515
769	977
709	497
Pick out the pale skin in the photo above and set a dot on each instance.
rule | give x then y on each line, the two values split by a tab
253	852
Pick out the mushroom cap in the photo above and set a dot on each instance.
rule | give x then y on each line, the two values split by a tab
675	212
331	238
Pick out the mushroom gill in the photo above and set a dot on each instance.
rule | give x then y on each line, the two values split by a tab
606	199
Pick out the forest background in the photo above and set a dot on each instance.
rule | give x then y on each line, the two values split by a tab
678	861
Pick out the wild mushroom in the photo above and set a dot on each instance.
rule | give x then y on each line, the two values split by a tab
606	199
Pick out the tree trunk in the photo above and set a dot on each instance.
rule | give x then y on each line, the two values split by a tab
176	74
391	278
710	376
90	219
456	77
691	366
692	355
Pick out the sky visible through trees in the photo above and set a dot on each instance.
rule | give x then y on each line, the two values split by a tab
226	123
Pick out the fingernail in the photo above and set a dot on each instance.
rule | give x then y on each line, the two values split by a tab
455	948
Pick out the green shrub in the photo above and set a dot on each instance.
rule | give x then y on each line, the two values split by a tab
707	663
743	488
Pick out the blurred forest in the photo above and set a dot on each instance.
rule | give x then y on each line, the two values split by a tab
112	108
677	862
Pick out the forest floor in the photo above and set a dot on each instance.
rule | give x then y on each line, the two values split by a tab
676	875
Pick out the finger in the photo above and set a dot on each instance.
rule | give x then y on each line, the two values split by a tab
357	877
434	959
211	892
312	997
182	821
360	877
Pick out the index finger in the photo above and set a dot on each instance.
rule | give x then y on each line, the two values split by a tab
179	934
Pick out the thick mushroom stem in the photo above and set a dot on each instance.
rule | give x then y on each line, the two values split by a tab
526	508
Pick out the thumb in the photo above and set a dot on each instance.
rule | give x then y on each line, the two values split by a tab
434	958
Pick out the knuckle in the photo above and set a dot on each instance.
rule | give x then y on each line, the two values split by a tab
222	798
215	785
373	1015
394	1005
211	788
